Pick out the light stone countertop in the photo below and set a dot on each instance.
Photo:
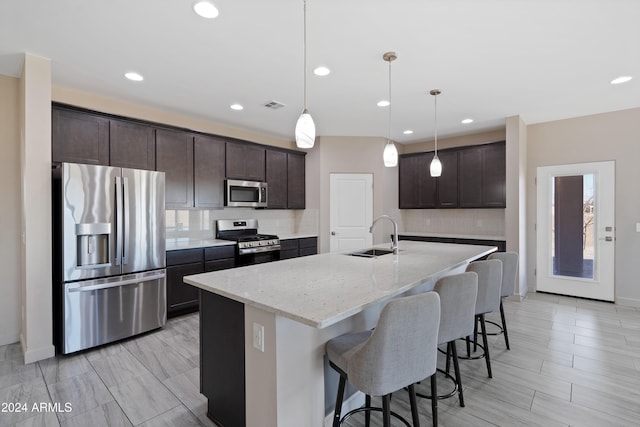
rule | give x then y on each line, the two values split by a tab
321	290
174	244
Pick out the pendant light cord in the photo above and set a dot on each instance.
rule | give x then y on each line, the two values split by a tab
435	121
305	55
389	120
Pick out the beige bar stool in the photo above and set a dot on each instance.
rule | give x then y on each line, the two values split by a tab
399	352
489	283
509	274
458	295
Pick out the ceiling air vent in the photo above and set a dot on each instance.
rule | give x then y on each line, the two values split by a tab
274	105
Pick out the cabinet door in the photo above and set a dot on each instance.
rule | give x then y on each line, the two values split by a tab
181	296
174	157
447	185
494	175
295	181
79	137
209	172
131	145
470	177
276	170
244	161
426	183
408	182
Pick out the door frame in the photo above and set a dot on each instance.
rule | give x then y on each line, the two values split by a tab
602	286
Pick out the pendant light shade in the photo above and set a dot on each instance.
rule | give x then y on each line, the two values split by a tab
390	153
435	168
305	130
305	127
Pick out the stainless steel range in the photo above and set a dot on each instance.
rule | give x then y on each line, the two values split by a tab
252	247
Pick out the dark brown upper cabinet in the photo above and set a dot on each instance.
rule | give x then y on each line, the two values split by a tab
447	183
482	176
472	177
245	161
296	181
209	160
174	157
417	187
131	145
276	172
79	137
285	174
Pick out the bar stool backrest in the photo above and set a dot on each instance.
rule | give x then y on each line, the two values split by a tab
458	294
509	271
489	284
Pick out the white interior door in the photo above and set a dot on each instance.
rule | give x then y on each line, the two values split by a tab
351	211
576	230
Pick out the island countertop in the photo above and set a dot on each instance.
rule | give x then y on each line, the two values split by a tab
321	290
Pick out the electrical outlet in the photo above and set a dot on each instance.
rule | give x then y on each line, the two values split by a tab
637	227
258	337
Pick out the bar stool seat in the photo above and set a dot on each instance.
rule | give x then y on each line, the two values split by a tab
399	352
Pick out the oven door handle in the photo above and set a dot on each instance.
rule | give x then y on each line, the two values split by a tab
259	249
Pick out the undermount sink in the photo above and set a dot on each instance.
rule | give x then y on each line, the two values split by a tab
371	253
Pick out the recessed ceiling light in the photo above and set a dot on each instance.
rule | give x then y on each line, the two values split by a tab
466	121
621	79
383	103
321	71
134	76
206	9
408	132
236	107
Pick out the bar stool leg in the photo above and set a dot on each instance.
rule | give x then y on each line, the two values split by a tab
367	414
434	402
414	406
386	411
456	368
486	345
338	410
504	326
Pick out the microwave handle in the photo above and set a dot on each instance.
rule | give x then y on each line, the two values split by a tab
263	195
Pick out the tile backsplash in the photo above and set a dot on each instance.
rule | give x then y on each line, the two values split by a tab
200	223
488	222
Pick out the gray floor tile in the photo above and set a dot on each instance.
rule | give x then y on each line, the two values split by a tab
143	398
43	419
187	390
27	394
178	416
84	392
107	415
118	368
56	369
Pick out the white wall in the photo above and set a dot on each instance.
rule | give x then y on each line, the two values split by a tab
333	154
610	136
10	210
36	334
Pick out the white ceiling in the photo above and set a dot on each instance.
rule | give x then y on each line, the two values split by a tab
540	59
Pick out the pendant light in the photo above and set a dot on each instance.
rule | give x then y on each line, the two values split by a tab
390	153
305	128
436	166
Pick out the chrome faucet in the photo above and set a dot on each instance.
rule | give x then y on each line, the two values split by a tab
394	239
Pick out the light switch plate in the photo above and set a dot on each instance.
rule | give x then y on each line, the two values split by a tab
258	337
637	227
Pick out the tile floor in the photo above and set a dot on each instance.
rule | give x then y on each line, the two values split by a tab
573	362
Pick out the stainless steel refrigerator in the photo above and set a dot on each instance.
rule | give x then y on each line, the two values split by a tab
109	254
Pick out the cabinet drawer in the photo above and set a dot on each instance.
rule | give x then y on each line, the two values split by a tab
219	252
220	264
288	254
308	251
308	242
184	256
289	244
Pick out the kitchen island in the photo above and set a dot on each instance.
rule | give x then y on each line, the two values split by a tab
263	327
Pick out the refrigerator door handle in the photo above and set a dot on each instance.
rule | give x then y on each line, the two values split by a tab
119	227
115	284
125	228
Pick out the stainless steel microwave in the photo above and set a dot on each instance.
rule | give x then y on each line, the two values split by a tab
250	194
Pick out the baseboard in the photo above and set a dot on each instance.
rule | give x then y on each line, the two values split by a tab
356	400
36	354
628	302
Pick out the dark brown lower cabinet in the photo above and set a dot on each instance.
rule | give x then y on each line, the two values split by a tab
294	248
183	298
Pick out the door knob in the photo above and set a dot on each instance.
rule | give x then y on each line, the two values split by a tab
333	233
